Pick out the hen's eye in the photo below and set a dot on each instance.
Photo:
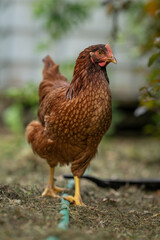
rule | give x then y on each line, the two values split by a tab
100	52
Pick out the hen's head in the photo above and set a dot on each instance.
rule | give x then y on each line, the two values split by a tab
90	61
101	54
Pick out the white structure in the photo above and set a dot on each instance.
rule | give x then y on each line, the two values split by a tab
20	33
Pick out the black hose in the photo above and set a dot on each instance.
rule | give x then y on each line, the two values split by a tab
147	184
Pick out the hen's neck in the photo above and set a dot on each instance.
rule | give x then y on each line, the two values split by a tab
85	72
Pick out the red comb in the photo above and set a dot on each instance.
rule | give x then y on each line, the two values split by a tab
109	49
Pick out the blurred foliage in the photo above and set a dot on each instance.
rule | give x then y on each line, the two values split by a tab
22	103
27	95
114	8
150	94
60	16
144	21
148	16
12	118
144	33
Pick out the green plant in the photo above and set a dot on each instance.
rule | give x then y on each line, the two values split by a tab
150	94
143	31
60	16
23	104
149	19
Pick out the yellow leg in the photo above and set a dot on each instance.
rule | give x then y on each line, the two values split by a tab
76	200
51	189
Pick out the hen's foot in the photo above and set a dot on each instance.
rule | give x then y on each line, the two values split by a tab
75	200
52	191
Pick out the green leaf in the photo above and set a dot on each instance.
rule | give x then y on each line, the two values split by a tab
153	58
143	88
60	16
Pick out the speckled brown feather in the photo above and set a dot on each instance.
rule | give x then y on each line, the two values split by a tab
73	117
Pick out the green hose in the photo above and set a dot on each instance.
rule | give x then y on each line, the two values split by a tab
64	222
52	238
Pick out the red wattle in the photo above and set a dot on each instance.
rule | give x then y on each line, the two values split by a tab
102	64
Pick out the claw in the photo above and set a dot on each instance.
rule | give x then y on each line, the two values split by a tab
50	192
58	189
75	200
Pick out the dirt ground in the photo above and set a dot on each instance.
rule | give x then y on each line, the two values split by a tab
128	213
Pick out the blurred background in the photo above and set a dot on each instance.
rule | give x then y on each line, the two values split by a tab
29	30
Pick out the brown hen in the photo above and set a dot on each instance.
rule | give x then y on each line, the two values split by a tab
73	117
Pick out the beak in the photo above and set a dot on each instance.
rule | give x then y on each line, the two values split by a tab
110	59
113	60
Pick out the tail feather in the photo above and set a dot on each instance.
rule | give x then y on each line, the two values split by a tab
32	128
52	78
36	137
50	70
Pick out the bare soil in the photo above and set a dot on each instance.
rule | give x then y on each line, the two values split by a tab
128	213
